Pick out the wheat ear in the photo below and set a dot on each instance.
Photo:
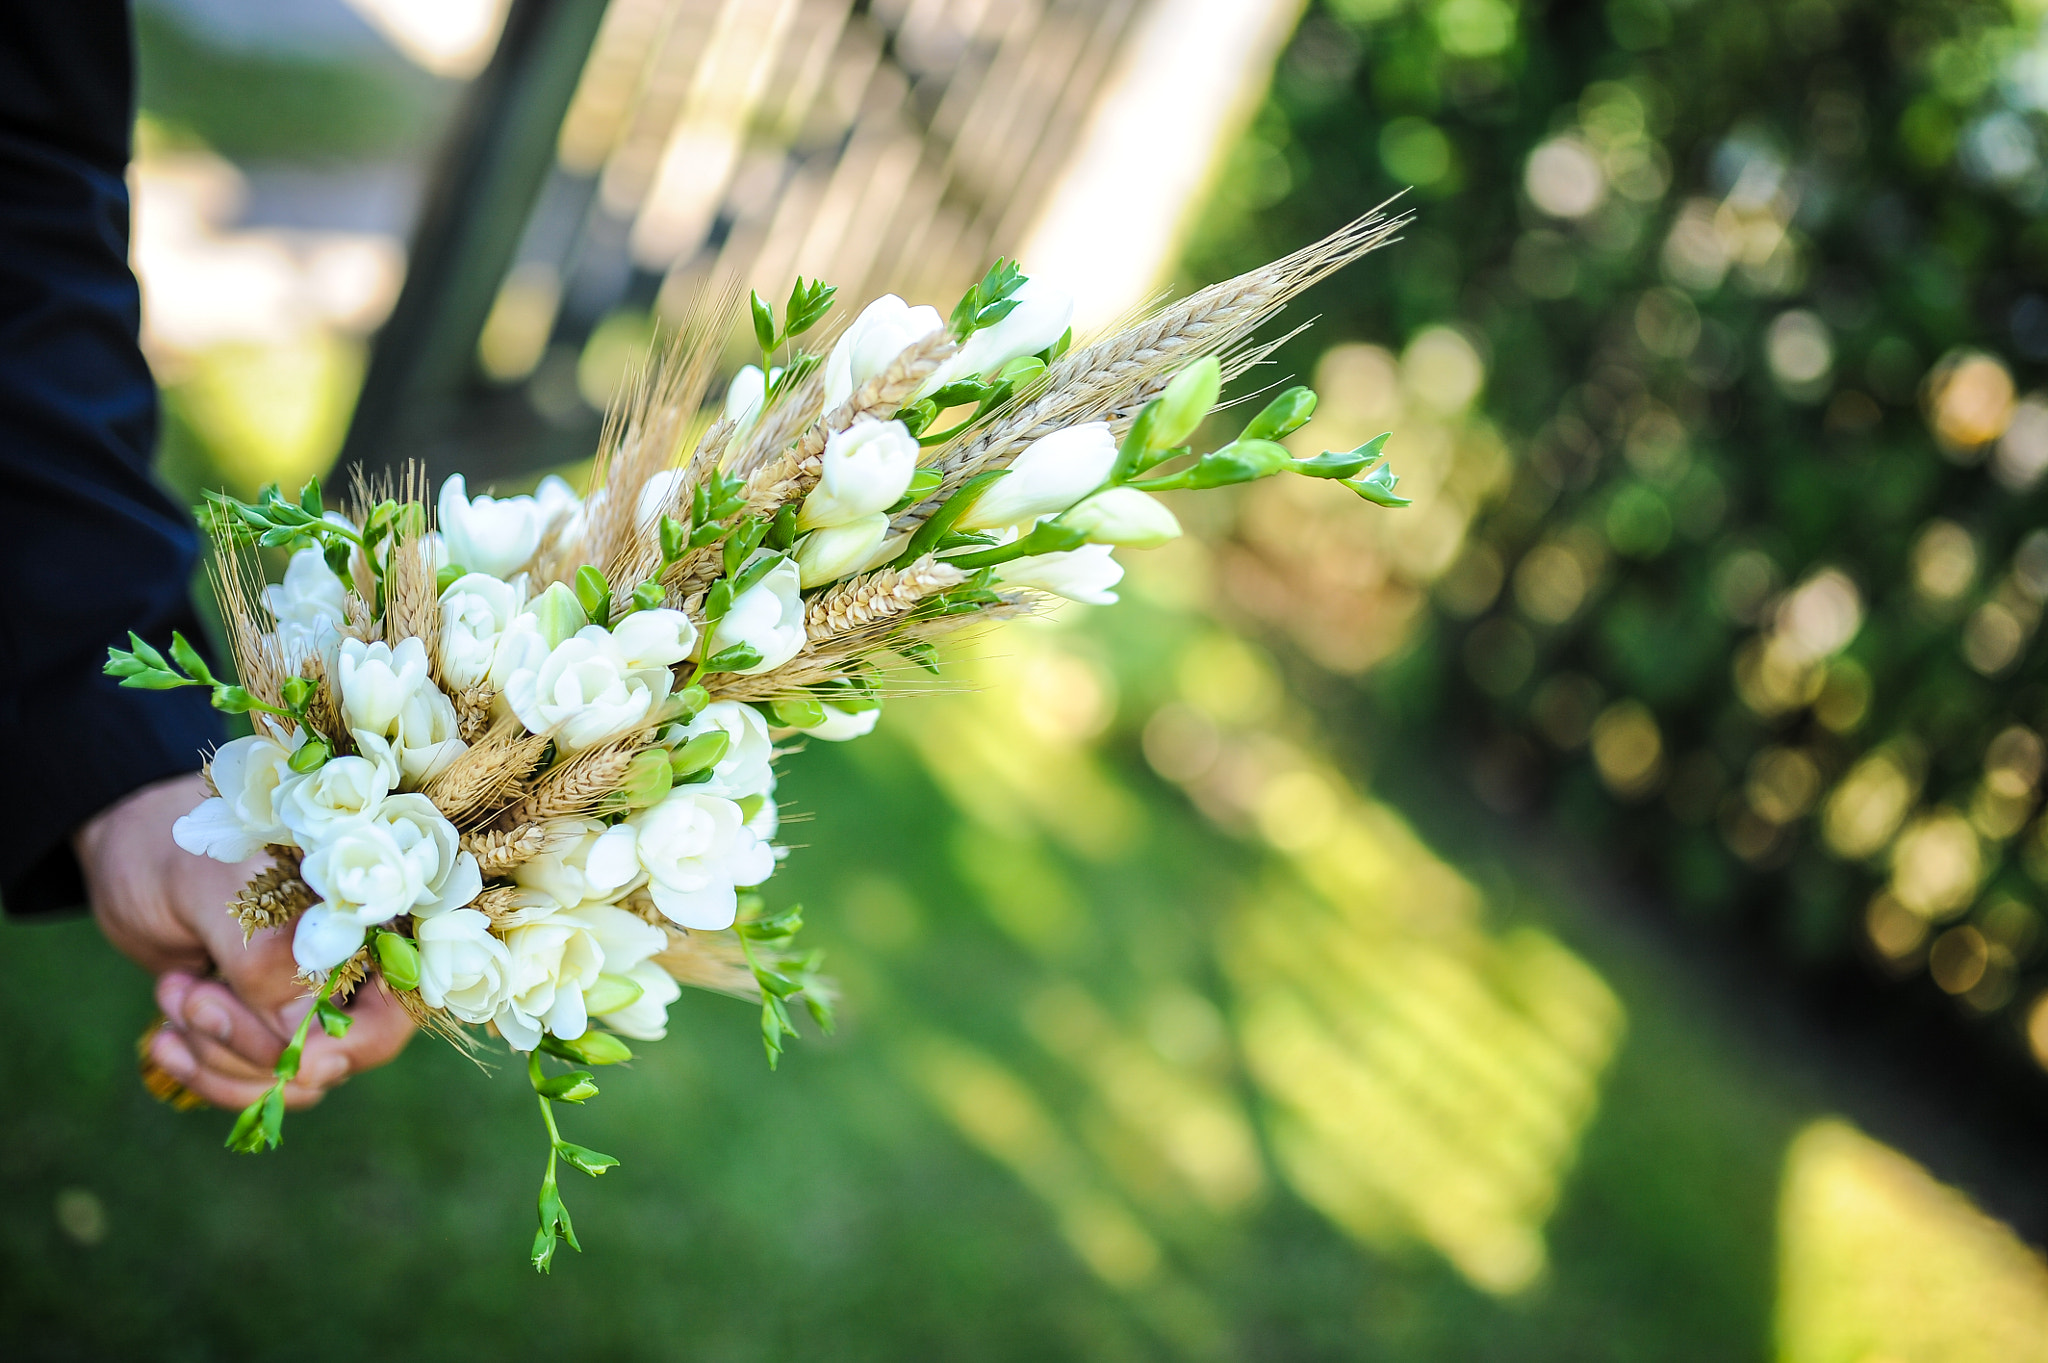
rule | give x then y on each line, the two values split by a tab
488	775
577	786
497	851
274	896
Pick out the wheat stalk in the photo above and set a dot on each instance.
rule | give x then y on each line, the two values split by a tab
706	960
351	973
865	601
507	906
1115	376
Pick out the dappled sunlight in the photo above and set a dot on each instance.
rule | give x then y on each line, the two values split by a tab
1879	1262
1423	1077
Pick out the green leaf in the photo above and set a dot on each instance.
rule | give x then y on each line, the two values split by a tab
1049	537
733	659
246	1137
941	522
120	664
591	1162
782	530
764	322
333	1021
1284	415
923	654
917	416
807	303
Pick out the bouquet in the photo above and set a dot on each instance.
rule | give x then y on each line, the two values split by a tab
513	758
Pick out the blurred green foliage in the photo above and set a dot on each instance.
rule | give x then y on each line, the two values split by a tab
1761	291
362	104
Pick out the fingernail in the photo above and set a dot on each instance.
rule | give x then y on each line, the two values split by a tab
170	1053
210	1018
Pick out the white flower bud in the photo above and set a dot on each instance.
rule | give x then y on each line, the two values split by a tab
1124	515
1085	574
488	534
1042	315
769	616
396	715
832	553
885	329
557	614
866	468
1048	476
310	605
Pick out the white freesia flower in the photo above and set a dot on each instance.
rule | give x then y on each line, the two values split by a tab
1085	574
656	638
553	960
449	877
1124	515
629	943
600	683
394	712
573	871
866	468
310	605
841	725
252	775
1042	315
834	552
520	648
463	966
487	534
764	819
697	851
646	1017
560	509
885	329
745	769
1048	476
363	878
769	616
475	612
746	394
343	793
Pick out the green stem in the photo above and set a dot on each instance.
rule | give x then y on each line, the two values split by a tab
547	1107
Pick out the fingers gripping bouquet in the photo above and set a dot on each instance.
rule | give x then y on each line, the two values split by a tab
514	757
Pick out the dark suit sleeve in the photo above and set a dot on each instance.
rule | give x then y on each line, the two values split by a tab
90	546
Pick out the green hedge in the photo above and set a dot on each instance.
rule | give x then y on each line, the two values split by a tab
1759	289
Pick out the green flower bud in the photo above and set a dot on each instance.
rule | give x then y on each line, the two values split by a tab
297	691
592	1048
448	577
311	756
648	596
690	702
558	613
399	960
594	594
797	712
1285	414
701	753
647	779
610	994
574	1087
1185	402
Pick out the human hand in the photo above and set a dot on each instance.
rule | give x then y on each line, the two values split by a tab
167	910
